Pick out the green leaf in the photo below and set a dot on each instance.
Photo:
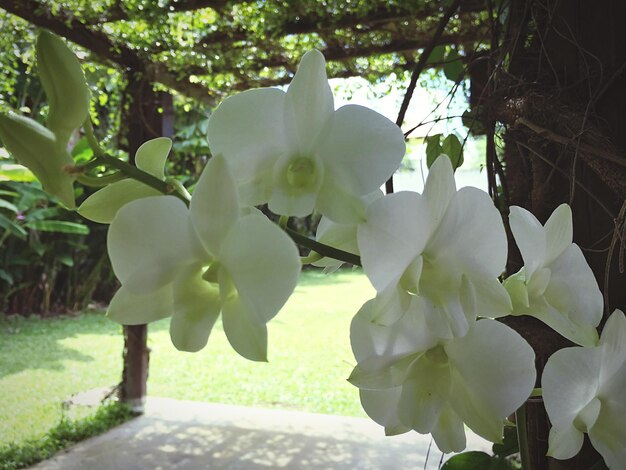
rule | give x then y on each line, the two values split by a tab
4	275
43	213
433	148
436	56
476	460
66	260
37	246
453	148
8	193
12	227
468	461
7	205
59	226
453	67
472	120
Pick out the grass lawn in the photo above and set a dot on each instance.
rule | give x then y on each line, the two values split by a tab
44	361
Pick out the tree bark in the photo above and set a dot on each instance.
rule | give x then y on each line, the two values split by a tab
569	83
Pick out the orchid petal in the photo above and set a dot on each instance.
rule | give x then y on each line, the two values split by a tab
248	129
246	333
252	247
381	406
214	207
407	335
530	238
424	395
573	289
440	188
396	231
491	299
127	308
570	381
559	232
613	342
196	308
336	202
361	148
295	198
608	436
487	387
449	432
148	241
564	442
309	102
102	205
471	215
151	156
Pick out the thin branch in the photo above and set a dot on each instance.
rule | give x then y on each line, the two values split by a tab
419	67
554	137
421	63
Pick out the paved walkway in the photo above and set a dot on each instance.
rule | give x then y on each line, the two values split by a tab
188	435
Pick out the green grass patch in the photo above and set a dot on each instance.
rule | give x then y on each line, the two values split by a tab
66	433
44	361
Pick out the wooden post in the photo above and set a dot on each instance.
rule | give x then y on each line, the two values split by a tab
143	122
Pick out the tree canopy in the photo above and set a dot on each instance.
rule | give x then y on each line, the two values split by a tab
204	49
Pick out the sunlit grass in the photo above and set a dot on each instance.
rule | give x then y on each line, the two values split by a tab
44	361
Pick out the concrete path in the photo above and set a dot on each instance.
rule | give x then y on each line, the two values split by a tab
188	435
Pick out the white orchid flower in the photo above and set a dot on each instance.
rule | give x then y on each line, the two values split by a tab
194	263
150	157
408	380
584	391
341	236
556	285
294	151
445	245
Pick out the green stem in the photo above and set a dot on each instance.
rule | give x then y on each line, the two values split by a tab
323	249
522	437
127	169
91	138
282	221
99	181
537	392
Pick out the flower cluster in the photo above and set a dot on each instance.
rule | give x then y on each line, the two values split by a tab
431	354
424	362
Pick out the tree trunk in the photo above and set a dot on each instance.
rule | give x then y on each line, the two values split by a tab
143	122
564	114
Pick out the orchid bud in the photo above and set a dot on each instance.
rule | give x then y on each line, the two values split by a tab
37	148
64	83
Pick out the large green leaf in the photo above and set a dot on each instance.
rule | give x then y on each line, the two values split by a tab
477	461
60	226
6	276
453	67
15	229
453	148
7	205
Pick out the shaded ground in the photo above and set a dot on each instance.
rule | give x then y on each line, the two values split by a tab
191	435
